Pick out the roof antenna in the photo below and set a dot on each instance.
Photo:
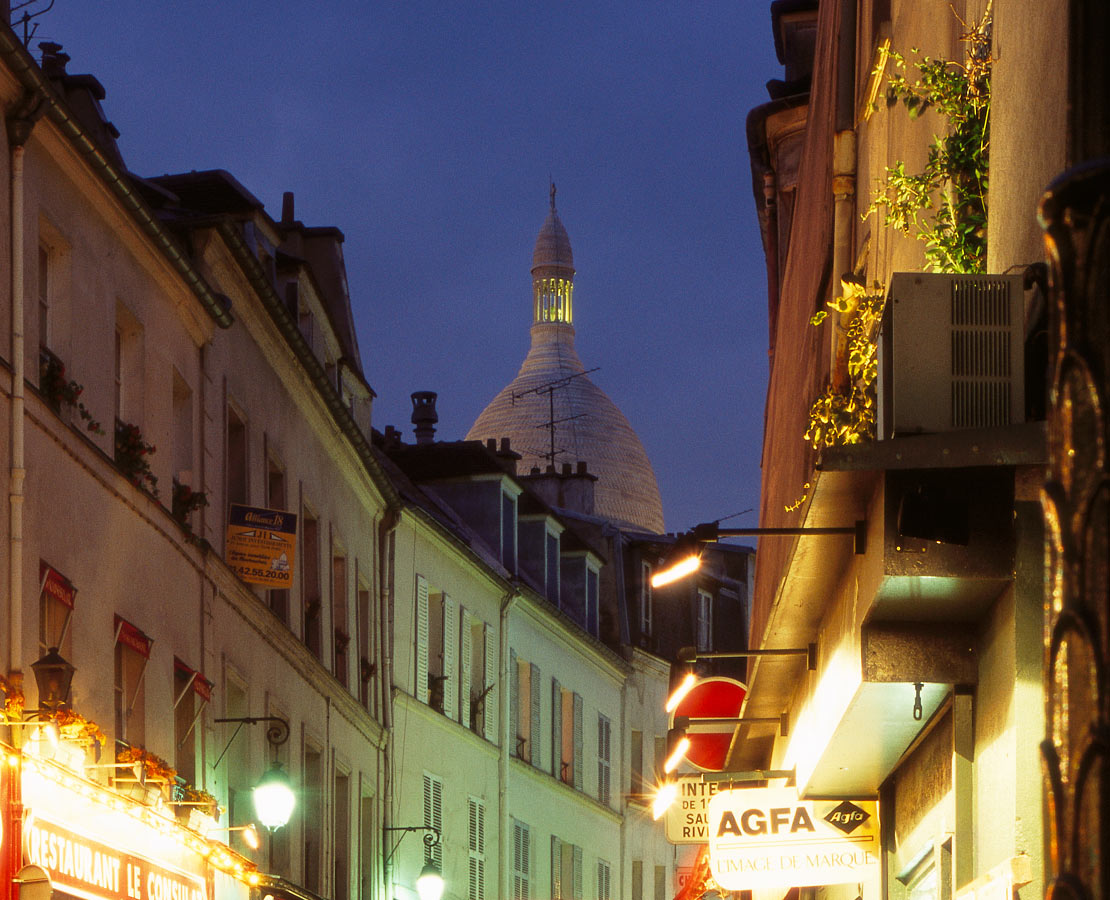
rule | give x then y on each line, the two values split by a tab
552	193
29	13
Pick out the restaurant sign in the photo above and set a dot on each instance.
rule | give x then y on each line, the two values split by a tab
86	868
769	838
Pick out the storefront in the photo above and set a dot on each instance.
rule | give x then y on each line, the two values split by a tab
66	835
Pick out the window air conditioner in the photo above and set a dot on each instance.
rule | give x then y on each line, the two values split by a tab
951	353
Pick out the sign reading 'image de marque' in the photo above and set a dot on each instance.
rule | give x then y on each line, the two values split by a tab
768	838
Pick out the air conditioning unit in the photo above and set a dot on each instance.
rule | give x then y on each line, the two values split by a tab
951	353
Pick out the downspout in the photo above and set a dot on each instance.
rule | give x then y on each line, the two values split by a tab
504	863
386	529
844	210
19	130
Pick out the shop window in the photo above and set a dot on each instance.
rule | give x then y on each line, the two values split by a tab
192	691
277	498
310	584
132	653
566	870
56	602
433	816
341	810
522	861
476	849
340	617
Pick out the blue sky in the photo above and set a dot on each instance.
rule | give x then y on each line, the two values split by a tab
427	132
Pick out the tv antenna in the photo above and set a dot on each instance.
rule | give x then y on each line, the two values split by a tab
549	388
29	13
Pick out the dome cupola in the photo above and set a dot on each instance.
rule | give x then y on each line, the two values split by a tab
551	411
552	272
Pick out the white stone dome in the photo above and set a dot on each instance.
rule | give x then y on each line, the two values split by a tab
551	386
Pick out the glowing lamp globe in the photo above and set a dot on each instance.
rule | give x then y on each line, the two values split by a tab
274	798
429	884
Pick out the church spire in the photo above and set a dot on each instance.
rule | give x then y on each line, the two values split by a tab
552	272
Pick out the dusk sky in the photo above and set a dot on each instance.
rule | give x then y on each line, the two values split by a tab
427	132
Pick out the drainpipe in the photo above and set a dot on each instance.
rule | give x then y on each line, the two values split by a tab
505	845
386	529
844	211
19	130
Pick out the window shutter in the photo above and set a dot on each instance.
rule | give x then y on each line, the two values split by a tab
450	657
535	742
433	814
477	847
465	666
522	839
490	678
556	729
603	759
556	868
421	686
514	704
578	741
603	885
577	873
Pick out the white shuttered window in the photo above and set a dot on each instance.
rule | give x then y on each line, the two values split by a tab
476	889
433	815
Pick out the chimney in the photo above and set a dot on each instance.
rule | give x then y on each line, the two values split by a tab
566	468
582	467
424	416
491	445
287	217
53	59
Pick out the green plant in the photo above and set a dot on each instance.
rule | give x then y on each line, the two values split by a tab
845	414
945	205
56	389
133	457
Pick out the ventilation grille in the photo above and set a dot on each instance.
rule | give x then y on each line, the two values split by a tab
981	353
951	355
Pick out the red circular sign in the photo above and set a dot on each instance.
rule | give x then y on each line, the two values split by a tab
711	698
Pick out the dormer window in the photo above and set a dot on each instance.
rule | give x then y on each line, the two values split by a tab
508	531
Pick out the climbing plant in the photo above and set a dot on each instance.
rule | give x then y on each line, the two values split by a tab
845	413
944	205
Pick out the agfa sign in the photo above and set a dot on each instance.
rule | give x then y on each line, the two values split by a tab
768	838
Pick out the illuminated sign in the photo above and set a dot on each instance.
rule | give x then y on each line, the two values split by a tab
768	838
89	869
54	584
687	819
261	544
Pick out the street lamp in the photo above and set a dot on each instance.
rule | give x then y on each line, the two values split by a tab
685	556
429	883
273	796
53	676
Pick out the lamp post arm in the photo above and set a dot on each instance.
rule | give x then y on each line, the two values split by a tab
709	532
430	839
